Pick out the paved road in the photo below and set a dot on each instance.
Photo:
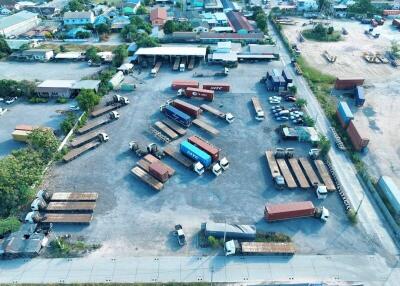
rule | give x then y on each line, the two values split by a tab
369	216
368	270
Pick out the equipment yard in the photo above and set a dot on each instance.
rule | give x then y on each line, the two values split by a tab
377	119
133	219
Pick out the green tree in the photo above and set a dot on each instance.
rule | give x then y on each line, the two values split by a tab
169	27
395	48
68	123
91	54
77	5
301	102
320	30
63	49
362	7
44	142
330	30
4	48
261	21
145	40
120	53
142	10
213	242
308	121
103	28
87	99
324	145
82	35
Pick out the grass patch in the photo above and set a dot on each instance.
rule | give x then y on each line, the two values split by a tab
311	35
35	100
62	100
9	225
65	247
272	237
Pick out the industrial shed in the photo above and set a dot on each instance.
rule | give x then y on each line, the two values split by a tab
65	88
170	53
18	23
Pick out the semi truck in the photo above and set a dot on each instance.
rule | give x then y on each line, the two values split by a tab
66	196
229	231
176	115
154	71
291	210
257	107
119	100
209	149
197	93
142	150
223	72
235	247
274	169
186	107
168	131
205	126
147	178
228	117
80	140
116	102
176	64
171	124
37	217
113	115
217	86
41	205
178	84
187	162
75	153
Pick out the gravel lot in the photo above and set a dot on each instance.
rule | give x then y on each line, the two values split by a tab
43	71
378	119
132	219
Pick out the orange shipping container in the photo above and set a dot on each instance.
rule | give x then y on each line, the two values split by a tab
359	142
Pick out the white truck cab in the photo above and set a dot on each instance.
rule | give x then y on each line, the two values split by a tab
31	217
153	72
224	163
260	116
230	248
181	92
229	117
216	169
321	192
198	168
114	115
104	137
182	67
37	204
324	214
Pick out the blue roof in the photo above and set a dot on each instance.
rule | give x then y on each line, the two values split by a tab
101	20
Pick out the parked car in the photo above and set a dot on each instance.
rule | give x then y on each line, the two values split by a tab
1	99
11	100
282	118
74	107
290	99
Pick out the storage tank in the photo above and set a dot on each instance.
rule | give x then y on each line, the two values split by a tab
391	192
359	141
195	153
344	114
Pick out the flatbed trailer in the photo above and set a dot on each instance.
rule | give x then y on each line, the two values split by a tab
267	248
168	131
205	126
93	124
74	153
73	197
325	176
104	110
145	165
67	218
175	67
147	178
151	159
213	110
70	207
178	157
191	63
312	177
290	182
175	127
301	178
80	140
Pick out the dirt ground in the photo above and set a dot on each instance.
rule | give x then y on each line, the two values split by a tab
377	119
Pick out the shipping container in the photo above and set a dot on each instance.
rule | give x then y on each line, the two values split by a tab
205	146
358	140
188	108
177	115
348	83
20	135
289	210
159	171
216	86
195	153
359	96
178	84
201	93
229	231
391	192
344	113
24	127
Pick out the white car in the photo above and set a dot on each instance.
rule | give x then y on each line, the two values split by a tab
275	98
74	107
11	100
1	99
274	101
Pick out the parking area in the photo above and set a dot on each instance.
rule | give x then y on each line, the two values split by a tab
133	219
43	71
25	113
377	119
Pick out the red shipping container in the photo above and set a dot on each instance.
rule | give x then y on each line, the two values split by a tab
178	84
159	171
217	86
359	142
348	83
188	108
391	12
205	146
341	121
289	210
24	127
201	93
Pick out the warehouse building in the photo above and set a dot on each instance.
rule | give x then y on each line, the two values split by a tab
239	23
65	88
18	23
170	53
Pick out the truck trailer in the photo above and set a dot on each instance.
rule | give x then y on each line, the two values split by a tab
310	173
104	110
287	175
154	71
171	124
209	149
176	115
217	86
301	178
80	140
257	107
75	153
195	153
66	196
205	126
291	210
228	117
229	231
325	176
178	84
274	169
147	178
186	107
185	161
197	93
235	247
41	205
89	126
168	131
36	217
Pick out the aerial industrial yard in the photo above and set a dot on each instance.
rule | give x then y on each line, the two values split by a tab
155	142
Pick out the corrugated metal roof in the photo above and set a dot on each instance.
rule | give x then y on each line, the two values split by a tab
172	51
19	17
238	21
78	15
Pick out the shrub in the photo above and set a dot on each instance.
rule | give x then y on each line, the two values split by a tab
87	99
9	224
35	100
213	242
68	123
62	100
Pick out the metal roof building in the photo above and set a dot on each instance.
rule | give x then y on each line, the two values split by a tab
65	88
239	23
18	23
172	51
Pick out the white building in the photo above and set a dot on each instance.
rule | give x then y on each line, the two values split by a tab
307	5
18	23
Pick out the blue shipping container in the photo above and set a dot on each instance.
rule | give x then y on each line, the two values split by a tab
177	115
390	190
359	96
344	112
195	153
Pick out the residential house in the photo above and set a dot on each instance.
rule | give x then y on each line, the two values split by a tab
42	55
134	4
307	5
200	27
78	18
239	23
43	10
158	16
233	37
118	22
18	23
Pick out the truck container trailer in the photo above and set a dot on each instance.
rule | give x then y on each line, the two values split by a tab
235	247
168	131
178	84
286	76
40	205
357	139
176	115
205	126
104	110
205	146
308	169
159	171
80	140
195	153
154	71
92	124
390	190
66	196
175	67
301	178
191	63
152	159
290	182
344	114
24	127
147	178
186	107
348	83
217	86
20	135
291	210
359	96
197	93
274	169
229	231
75	153
325	176
187	162
175	127
257	107
36	217
228	117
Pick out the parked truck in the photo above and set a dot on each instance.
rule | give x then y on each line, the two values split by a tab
209	149
186	107
229	231
291	210
274	169
118	99
66	196
41	205
80	140
217	86
141	150
235	247
154	71
228	117
185	161
101	111
176	115
90	125
37	217
257	107
223	72
178	84
197	93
